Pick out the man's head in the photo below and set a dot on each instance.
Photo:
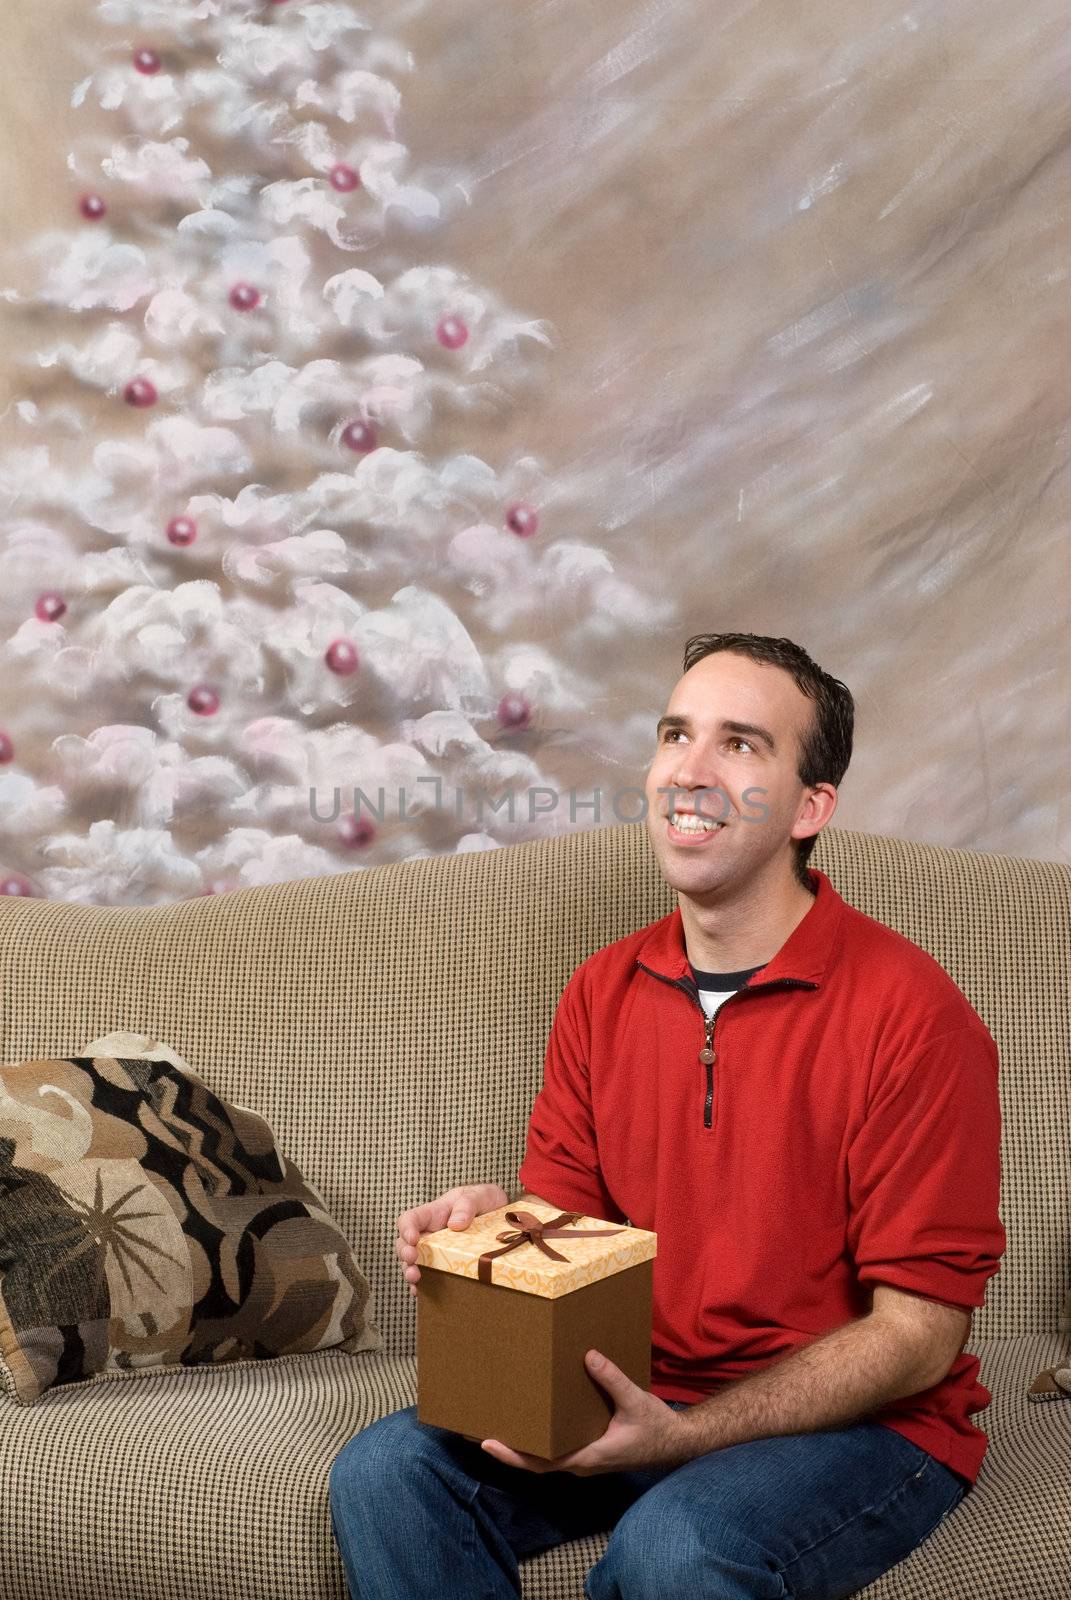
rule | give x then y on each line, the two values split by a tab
774	787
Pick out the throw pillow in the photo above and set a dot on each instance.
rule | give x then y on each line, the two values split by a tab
1055	1382
146	1223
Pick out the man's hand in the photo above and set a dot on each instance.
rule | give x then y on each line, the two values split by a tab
454	1209
643	1432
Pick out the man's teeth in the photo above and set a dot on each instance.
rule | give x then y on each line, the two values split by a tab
688	823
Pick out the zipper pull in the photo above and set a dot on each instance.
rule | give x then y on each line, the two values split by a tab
707	1055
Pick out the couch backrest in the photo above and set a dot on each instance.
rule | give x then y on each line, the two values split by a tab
391	1023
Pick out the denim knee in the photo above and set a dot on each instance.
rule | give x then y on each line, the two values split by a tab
367	1463
655	1549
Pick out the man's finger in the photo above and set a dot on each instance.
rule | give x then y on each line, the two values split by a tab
618	1385
516	1458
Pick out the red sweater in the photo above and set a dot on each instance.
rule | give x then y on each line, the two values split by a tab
847	1133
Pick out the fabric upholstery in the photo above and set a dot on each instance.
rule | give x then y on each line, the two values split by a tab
390	1025
92	1479
144	1223
187	1485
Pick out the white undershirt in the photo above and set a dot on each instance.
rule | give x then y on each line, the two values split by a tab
716	987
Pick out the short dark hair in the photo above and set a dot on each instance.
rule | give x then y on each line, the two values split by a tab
826	746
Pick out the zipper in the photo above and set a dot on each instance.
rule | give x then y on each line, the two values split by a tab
708	1055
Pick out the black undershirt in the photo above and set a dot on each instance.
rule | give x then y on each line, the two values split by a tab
724	980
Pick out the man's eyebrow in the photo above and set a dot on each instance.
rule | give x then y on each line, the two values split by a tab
751	728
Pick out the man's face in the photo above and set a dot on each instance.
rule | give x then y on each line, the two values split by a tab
748	775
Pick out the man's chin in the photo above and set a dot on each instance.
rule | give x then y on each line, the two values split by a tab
690	871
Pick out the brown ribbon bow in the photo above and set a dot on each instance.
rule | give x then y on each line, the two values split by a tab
533	1231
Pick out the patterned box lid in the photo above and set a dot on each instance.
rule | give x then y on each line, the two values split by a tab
507	1240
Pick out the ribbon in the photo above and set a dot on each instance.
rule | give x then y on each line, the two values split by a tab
532	1231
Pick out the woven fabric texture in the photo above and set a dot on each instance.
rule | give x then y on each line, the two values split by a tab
390	1025
146	1223
92	1480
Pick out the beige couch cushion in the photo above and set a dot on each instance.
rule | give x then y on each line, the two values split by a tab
211	1484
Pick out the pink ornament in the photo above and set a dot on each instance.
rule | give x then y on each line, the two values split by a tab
50	606
92	207
522	520
358	436
204	700
7	749
452	333
15	883
244	297
146	62
182	530
356	831
341	656
514	710
343	177
140	392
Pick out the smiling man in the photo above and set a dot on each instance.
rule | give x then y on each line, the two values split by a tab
804	1107
728	807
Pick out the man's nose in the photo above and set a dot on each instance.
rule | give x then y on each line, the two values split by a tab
696	769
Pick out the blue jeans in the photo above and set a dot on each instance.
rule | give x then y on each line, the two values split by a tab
420	1511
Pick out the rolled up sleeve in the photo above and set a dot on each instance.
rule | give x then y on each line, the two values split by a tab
924	1171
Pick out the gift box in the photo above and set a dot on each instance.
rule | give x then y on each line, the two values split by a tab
507	1309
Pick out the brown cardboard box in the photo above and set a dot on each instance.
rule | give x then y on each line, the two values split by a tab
501	1346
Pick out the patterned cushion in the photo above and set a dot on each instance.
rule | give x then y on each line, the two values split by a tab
145	1224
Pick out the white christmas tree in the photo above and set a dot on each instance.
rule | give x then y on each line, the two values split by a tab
251	629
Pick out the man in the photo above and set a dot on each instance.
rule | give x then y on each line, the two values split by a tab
803	1106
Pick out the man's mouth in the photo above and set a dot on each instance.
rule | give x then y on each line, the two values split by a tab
687	828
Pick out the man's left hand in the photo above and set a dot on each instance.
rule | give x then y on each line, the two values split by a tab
643	1432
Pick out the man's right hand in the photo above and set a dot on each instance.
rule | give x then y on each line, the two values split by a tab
454	1209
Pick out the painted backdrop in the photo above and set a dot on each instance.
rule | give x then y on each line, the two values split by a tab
390	391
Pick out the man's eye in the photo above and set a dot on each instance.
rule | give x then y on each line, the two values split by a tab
736	738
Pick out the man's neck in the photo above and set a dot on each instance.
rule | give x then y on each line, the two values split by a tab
744	933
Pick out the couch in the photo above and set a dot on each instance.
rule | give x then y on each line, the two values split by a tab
390	1024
